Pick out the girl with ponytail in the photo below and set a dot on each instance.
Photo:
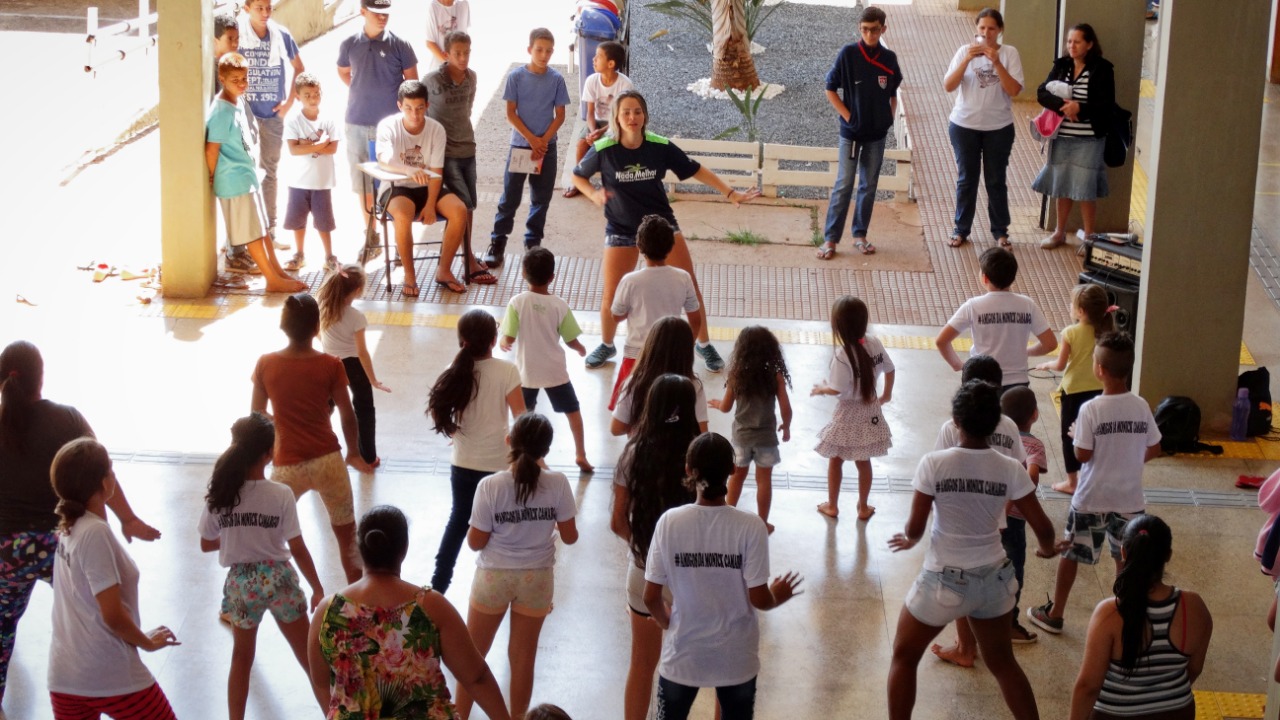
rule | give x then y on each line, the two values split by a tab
253	524
857	430
514	521
715	560
93	661
1147	645
32	429
469	404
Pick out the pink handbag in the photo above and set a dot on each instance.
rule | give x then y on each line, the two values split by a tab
1046	124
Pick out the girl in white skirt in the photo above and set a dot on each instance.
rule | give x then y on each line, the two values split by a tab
857	430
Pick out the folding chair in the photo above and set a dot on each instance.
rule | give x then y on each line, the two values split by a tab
379	217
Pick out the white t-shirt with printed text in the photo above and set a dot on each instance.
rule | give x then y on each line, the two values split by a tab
312	171
339	339
539	322
481	440
1003	323
708	557
840	374
1006	440
398	146
85	656
523	535
969	489
1118	429
646	296
258	528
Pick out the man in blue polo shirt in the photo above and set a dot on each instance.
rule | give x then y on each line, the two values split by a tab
862	86
373	62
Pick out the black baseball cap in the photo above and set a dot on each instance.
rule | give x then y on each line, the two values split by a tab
379	6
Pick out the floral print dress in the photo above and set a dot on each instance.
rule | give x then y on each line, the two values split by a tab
383	662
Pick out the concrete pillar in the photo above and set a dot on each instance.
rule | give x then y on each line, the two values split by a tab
1119	25
1200	204
187	246
1274	61
1029	27
973	5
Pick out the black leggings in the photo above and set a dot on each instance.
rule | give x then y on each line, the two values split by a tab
362	402
1071	404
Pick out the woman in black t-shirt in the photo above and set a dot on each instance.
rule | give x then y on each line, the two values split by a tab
632	163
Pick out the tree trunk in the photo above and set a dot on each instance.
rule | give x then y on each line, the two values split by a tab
731	64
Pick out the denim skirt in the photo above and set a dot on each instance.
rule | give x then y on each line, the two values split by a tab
1075	169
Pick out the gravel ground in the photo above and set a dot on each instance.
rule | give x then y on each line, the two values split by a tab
800	41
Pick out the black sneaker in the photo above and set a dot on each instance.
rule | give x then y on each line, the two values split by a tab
1039	616
496	254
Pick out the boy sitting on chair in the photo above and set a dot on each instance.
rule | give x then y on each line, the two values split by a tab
412	144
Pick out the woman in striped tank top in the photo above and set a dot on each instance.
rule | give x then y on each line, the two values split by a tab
1146	645
1075	170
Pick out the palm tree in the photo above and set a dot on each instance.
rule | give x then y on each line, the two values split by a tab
731	65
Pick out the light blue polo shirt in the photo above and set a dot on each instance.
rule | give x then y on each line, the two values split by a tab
536	97
377	69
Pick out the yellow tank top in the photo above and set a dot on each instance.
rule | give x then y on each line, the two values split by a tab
1079	377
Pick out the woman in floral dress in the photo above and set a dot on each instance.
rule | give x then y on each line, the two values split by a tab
376	646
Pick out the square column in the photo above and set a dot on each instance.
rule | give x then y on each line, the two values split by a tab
187	245
1202	169
1029	26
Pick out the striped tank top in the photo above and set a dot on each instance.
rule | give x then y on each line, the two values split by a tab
1079	93
1158	682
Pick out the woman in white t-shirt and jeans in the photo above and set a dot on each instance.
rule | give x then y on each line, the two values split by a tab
513	526
469	404
715	560
94	666
966	572
988	76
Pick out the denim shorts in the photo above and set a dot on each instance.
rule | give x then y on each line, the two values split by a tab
629	241
937	598
1088	531
764	456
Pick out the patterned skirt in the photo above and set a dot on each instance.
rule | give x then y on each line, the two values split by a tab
857	431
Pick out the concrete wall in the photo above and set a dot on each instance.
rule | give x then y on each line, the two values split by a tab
306	19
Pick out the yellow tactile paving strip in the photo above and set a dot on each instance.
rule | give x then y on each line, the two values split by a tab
1223	705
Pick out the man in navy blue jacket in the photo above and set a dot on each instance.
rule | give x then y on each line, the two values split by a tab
862	86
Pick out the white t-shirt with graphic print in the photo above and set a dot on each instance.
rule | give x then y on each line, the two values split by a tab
1003	323
258	528
398	146
1118	429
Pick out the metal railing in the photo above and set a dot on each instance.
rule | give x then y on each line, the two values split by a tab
136	30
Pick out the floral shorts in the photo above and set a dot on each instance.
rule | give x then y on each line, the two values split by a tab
252	589
327	475
528	592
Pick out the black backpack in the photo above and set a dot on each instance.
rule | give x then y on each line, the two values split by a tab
1115	150
1178	418
1258	383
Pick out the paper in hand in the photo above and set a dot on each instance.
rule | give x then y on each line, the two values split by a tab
522	162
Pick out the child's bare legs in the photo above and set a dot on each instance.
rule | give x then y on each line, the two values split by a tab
300	237
244	647
835	476
296	634
909	643
522	653
264	254
482	628
1067	486
964	652
618	261
326	239
764	494
646	648
579	443
997	652
347	553
736	481
865	511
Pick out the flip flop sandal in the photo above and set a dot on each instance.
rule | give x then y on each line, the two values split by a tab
572	191
1003	241
957	241
865	247
482	277
452	286
826	252
295	263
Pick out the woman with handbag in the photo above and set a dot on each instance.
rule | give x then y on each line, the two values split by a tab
987	75
1075	171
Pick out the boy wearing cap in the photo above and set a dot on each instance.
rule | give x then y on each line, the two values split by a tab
372	62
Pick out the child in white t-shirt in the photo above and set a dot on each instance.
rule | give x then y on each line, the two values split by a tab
598	93
541	320
1115	435
514	521
1002	322
253	524
342	329
444	17
715	560
653	292
966	572
313	141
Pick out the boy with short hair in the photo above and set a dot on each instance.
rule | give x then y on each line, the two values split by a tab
226	39
313	141
536	97
372	63
541	320
444	17
234	178
413	144
862	86
451	93
601	87
651	293
1115	435
1002	322
267	45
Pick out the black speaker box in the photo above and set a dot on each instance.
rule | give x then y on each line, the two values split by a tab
1122	293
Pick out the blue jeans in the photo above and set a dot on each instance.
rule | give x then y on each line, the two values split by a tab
541	187
987	151
737	702
460	178
861	159
463	482
1014	539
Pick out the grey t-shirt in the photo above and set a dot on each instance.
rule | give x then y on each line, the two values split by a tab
754	422
450	105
